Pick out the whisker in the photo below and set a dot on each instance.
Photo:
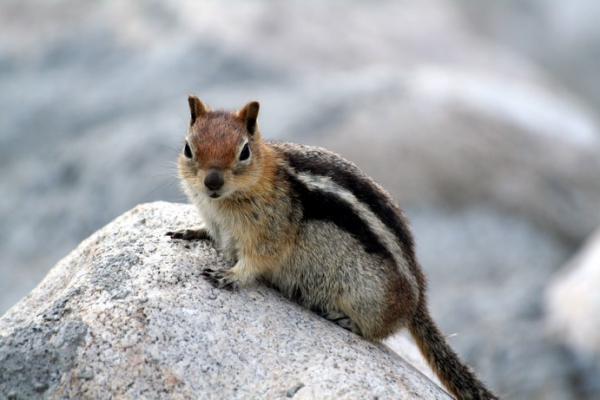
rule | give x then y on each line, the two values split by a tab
168	182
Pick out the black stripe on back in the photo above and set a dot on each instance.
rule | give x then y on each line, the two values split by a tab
317	204
347	175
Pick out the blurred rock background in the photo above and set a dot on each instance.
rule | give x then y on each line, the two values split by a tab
479	117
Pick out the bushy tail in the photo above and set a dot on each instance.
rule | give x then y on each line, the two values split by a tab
456	376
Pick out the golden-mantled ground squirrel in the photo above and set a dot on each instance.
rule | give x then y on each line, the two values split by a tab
311	224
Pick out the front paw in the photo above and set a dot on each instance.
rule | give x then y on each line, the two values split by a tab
220	278
189	234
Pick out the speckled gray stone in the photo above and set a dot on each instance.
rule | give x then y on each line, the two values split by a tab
128	315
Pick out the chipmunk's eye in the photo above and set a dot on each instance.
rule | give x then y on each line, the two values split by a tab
245	153
187	151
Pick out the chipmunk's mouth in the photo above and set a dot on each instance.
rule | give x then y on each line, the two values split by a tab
218	194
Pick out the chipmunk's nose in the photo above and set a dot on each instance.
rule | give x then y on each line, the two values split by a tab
214	180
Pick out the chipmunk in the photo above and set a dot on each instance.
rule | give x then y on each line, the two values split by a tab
311	224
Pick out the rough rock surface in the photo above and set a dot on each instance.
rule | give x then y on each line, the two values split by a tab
573	304
127	315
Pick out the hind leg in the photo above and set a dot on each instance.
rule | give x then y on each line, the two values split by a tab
368	315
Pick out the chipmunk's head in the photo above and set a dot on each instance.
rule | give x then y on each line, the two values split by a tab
222	150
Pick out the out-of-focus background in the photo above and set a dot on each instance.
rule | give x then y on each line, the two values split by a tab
481	118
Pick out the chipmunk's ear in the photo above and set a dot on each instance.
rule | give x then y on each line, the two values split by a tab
249	114
197	108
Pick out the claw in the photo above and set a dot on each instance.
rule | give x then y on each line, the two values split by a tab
219	279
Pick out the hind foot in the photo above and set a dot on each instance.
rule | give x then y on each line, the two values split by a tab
342	320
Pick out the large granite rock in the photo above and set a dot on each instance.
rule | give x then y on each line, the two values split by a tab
128	315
